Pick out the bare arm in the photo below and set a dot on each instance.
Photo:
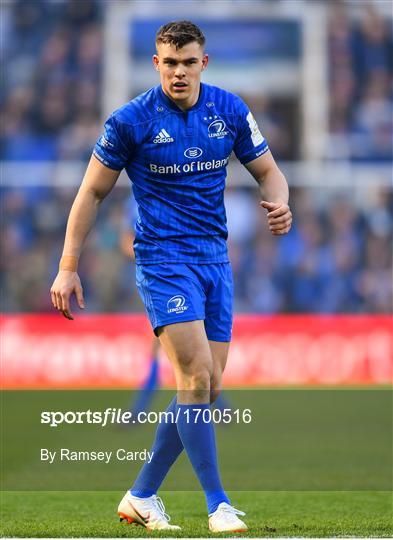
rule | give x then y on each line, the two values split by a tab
274	192
97	183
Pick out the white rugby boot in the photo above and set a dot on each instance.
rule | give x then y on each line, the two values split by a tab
148	512
225	519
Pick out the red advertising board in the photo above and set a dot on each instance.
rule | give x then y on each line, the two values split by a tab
103	351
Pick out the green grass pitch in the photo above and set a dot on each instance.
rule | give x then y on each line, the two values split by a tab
312	463
269	514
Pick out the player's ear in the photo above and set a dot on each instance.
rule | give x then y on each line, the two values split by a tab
205	61
156	62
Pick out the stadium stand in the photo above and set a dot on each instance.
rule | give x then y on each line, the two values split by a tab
337	258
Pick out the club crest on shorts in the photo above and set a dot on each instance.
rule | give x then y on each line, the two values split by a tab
176	304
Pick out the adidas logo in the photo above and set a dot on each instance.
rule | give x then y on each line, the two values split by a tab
163	137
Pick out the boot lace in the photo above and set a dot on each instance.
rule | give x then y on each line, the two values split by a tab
160	508
229	511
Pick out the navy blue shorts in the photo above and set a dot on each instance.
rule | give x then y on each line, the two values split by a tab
180	292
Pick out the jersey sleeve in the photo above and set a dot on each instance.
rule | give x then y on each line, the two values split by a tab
249	143
114	147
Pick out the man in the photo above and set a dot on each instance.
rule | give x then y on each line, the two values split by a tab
174	142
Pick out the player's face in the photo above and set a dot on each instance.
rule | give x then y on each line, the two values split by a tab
180	71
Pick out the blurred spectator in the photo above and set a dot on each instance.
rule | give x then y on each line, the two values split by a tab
361	78
52	85
373	121
375	280
333	261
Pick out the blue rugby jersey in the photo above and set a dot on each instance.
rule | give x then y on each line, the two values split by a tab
176	161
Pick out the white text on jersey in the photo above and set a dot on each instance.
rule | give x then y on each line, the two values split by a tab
194	166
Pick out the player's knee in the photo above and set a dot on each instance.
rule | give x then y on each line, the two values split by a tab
195	386
200	380
215	385
214	393
196	365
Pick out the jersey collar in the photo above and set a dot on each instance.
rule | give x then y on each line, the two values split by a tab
165	100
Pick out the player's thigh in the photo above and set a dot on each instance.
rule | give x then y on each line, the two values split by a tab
187	347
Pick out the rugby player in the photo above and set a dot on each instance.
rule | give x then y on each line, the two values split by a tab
174	142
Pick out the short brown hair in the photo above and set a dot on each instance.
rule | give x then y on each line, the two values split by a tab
180	33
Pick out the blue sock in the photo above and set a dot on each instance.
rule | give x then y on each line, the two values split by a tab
167	447
199	442
147	390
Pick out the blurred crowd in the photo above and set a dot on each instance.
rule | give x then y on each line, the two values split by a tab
51	93
51	79
361	85
337	258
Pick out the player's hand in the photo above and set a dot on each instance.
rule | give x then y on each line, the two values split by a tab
65	285
279	217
